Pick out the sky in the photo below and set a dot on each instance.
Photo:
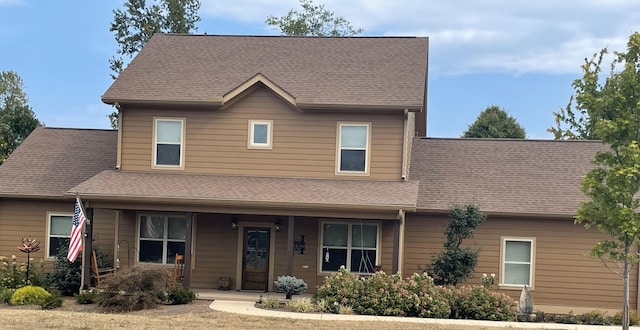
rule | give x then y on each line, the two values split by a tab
520	55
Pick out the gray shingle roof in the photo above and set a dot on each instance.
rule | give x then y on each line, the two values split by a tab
502	176
247	190
351	71
52	160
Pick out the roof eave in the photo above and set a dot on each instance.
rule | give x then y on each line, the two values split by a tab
503	213
245	203
34	196
311	106
215	102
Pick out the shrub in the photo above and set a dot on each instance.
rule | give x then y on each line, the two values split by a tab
6	293
426	299
480	303
617	318
30	295
322	305
66	275
180	295
345	309
383	294
566	318
454	263
53	301
134	289
290	285
595	317
341	288
13	274
303	305
270	302
86	297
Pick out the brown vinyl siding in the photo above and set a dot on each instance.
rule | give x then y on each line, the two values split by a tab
127	239
563	273
304	143
215	251
24	218
104	231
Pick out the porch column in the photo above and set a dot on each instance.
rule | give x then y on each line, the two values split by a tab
290	224
396	247
187	250
88	248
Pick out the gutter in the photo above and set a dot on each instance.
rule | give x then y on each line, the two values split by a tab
245	203
501	214
218	102
405	147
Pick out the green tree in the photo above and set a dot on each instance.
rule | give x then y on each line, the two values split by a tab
314	20
610	111
134	25
495	123
17	119
574	121
455	263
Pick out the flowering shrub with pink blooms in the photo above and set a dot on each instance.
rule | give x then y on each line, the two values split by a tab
382	294
417	295
341	288
480	303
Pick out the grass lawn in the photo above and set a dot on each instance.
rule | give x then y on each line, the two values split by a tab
193	316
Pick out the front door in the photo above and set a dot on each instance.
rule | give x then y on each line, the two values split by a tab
255	261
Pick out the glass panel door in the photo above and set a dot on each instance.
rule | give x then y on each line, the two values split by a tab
255	263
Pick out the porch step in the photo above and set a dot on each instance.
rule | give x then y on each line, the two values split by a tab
214	294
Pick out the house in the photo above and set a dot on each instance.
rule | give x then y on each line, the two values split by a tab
256	157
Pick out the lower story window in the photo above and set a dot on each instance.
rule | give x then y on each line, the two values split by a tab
352	245
59	231
161	237
517	261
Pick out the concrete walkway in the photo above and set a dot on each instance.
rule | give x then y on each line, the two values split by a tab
248	308
244	303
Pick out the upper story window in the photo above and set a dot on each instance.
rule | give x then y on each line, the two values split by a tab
168	149
260	134
58	233
517	262
353	148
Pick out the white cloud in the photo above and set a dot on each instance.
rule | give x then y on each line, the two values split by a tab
466	36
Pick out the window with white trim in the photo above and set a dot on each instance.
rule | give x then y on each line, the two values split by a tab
353	245
161	237
353	148
260	134
517	262
58	232
168	149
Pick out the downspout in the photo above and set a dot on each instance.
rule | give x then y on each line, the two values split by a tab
116	246
401	218
405	147
119	145
638	288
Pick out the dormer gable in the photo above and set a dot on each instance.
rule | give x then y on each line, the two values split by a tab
251	84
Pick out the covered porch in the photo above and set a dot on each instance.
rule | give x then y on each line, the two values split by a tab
307	228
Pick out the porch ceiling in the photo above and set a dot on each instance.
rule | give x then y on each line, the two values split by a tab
111	185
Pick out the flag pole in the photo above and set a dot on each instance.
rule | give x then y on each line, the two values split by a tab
80	231
84	235
82	267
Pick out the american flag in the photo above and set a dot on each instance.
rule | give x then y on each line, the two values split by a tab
75	244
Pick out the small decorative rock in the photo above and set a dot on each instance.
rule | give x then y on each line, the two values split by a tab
526	302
